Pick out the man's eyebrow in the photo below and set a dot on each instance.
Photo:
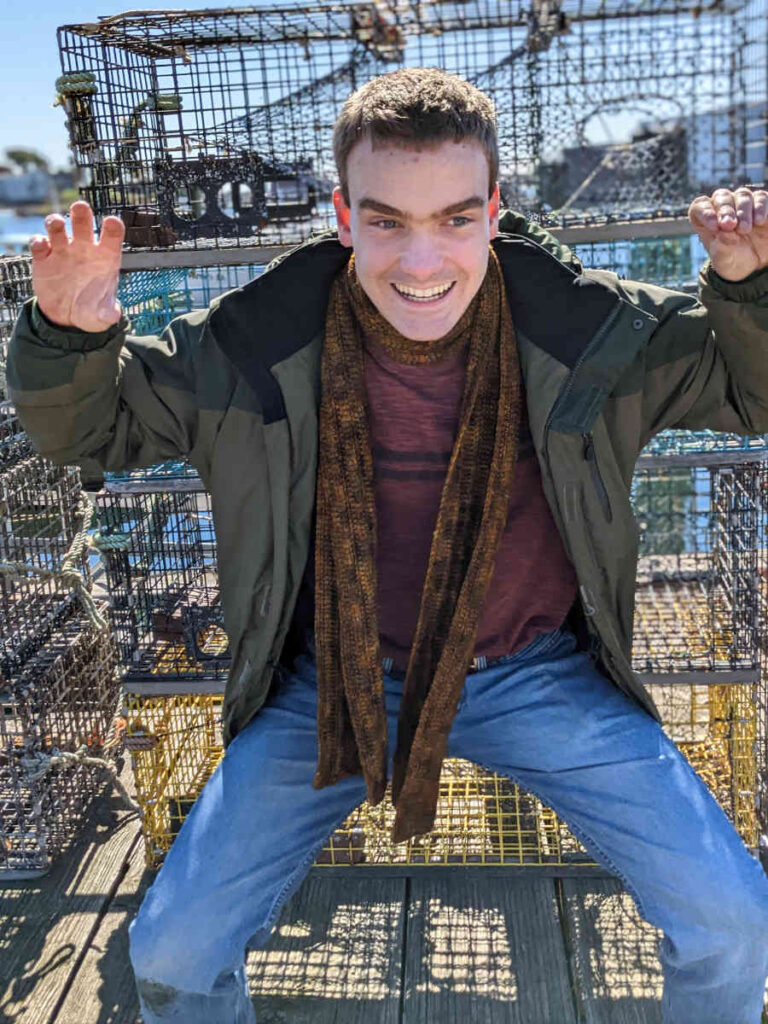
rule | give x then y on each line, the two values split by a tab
367	203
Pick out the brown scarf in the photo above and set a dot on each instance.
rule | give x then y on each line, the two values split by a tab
351	718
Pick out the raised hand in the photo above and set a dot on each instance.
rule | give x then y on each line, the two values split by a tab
733	227
75	280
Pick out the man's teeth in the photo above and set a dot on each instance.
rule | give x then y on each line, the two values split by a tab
423	294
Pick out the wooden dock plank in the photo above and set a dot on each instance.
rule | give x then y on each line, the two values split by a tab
486	950
103	990
335	955
614	953
47	923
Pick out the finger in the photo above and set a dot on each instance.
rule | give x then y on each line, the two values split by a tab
112	235
57	231
702	213
39	246
743	197
724	203
760	206
82	222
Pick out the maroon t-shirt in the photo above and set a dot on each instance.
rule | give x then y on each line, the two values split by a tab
414	417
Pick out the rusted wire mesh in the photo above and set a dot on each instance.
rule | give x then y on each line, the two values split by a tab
61	703
214	127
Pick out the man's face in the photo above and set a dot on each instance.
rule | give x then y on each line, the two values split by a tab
419	222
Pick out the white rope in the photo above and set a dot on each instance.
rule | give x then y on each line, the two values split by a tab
46	763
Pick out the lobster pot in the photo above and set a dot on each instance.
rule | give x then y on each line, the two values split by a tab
15	289
483	819
42	512
152	298
700	553
214	127
669	262
699	632
175	744
158	548
63	701
15	445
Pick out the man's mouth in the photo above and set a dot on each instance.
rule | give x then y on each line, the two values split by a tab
423	296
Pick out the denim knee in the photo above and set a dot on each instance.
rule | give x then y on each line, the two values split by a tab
169	949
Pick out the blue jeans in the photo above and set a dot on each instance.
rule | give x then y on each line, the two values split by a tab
544	717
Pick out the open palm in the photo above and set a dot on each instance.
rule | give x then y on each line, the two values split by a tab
75	280
733	227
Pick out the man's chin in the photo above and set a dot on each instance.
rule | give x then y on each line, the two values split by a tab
424	328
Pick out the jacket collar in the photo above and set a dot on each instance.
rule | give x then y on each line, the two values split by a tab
573	316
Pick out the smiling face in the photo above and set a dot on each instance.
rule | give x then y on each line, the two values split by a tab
419	222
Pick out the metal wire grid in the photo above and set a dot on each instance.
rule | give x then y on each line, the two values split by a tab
38	523
216	126
175	745
15	289
669	262
482	818
151	299
159	557
63	700
14	442
702	547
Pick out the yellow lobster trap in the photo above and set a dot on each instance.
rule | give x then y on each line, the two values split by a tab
482	818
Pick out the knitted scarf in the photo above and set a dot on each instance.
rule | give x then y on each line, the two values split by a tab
351	718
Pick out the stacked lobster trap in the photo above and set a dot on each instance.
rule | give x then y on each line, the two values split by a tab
58	663
213	128
701	503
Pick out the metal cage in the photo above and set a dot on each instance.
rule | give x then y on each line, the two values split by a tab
63	701
213	128
15	289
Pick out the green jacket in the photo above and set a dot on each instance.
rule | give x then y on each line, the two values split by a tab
235	388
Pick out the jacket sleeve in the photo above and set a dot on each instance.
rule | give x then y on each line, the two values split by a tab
706	364
111	398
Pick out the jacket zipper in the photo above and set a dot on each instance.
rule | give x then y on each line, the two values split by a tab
597	480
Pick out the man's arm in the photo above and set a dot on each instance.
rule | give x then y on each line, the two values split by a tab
706	364
83	387
109	397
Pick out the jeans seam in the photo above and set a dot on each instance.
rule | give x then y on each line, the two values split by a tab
304	865
585	839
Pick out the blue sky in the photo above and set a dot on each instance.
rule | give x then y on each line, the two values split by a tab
29	67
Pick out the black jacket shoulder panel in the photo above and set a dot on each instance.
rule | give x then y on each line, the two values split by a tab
556	308
278	313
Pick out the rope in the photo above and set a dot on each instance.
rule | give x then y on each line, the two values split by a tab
67	573
112	542
76	83
60	759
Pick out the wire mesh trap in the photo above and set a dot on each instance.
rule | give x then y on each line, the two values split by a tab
41	515
157	545
214	127
15	289
482	818
702	550
61	703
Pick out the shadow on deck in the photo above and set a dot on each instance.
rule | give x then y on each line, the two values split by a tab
436	947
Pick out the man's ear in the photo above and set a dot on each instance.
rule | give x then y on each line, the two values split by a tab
343	215
494	204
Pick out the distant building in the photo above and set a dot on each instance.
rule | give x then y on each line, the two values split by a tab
30	187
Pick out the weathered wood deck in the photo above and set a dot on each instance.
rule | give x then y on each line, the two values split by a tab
348	948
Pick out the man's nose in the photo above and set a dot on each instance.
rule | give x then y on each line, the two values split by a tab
421	259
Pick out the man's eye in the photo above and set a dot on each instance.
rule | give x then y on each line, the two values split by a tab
386	224
462	220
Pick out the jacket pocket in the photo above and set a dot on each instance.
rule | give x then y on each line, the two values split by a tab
597	480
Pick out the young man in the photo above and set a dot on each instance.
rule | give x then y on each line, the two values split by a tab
419	437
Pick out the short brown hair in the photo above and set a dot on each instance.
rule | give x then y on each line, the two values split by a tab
415	107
